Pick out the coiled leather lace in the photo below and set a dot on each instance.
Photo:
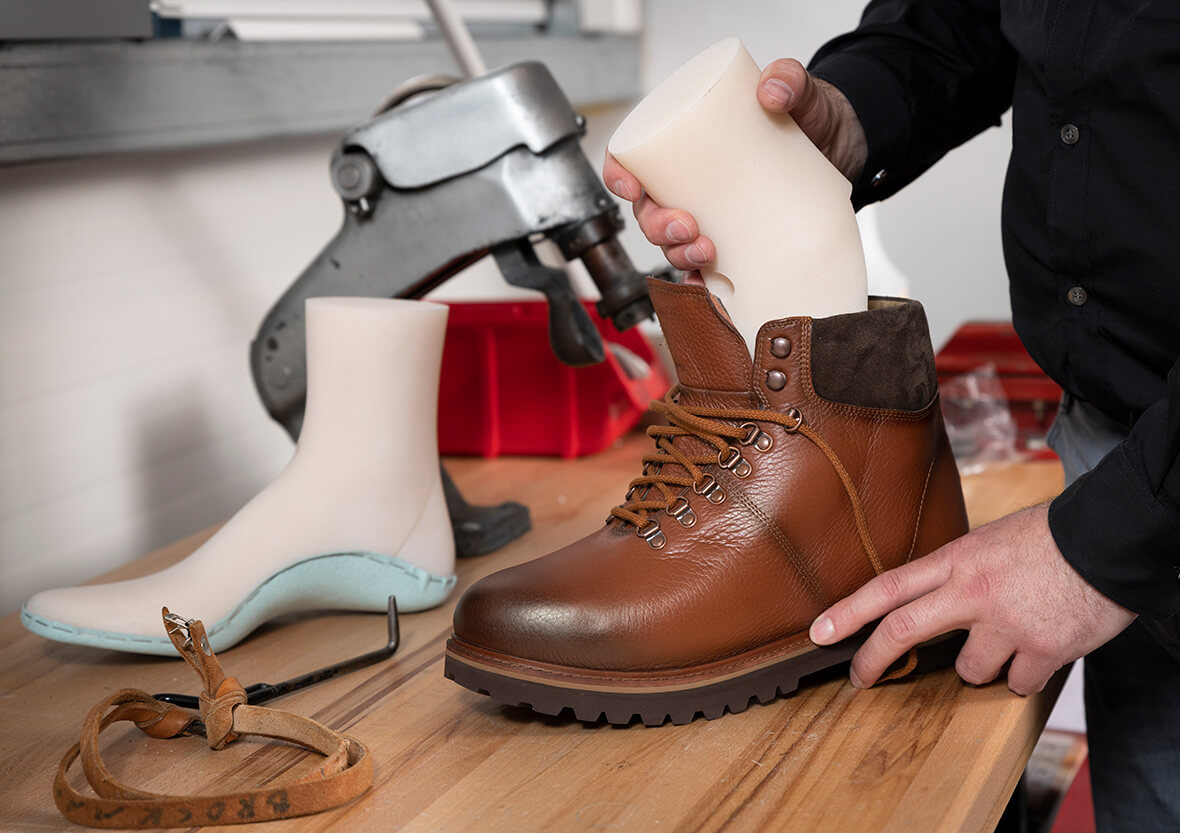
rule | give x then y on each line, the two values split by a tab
657	488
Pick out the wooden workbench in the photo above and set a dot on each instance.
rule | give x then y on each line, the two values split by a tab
926	753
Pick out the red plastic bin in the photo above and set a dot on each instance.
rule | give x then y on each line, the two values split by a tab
503	392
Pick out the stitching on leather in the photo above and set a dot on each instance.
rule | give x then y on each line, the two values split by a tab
870	445
922	504
783	541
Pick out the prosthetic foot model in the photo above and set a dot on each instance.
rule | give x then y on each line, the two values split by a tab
357	516
776	208
779	485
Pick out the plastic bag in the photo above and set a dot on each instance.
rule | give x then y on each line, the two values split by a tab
978	420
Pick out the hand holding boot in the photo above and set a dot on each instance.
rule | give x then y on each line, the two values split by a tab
820	110
1006	582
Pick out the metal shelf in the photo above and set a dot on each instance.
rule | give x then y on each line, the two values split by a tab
79	99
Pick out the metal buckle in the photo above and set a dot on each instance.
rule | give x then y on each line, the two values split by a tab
175	623
651	533
682	512
735	463
756	437
710	489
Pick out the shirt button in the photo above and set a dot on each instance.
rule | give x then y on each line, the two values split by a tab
1070	134
878	178
1077	296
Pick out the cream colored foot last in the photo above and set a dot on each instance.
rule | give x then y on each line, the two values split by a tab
358	514
774	206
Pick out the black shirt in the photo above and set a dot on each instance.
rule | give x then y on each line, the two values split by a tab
1091	226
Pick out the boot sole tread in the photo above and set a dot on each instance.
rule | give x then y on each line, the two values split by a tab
623	705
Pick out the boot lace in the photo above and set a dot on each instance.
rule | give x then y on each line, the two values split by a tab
671	470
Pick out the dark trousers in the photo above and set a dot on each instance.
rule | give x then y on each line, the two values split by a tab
1132	683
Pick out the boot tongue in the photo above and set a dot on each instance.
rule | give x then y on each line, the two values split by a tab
709	353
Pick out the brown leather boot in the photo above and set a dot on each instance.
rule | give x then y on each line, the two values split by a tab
777	488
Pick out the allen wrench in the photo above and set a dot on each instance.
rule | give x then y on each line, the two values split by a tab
264	692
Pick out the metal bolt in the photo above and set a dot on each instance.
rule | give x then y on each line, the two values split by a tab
780	347
776	380
354	176
349	176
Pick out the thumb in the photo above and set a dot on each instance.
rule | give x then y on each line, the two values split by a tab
785	86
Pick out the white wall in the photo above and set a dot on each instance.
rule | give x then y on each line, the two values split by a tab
130	288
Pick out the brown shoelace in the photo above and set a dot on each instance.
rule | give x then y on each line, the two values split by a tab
657	488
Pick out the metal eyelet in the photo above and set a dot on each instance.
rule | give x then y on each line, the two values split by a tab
735	463
756	437
651	533
797	415
682	512
710	489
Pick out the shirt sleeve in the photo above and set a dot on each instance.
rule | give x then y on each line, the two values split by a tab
924	76
1119	524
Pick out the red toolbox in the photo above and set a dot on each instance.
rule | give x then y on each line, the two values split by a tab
1032	396
504	392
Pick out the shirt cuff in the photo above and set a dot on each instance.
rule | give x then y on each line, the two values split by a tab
881	105
1120	538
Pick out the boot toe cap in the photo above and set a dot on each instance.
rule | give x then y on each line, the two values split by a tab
503	614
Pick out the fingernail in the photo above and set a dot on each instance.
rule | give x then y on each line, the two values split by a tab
855	680
623	188
696	254
822	630
779	91
678	232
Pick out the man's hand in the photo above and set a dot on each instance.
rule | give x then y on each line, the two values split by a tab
820	110
1006	582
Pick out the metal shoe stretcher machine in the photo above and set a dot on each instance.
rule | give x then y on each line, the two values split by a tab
447	172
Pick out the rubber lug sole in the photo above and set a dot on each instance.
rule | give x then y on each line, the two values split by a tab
732	695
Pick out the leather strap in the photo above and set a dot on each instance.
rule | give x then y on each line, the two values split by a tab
345	773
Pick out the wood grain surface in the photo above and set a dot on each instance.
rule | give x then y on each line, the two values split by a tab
926	753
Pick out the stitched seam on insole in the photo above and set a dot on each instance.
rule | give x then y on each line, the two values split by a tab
222	624
430	578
